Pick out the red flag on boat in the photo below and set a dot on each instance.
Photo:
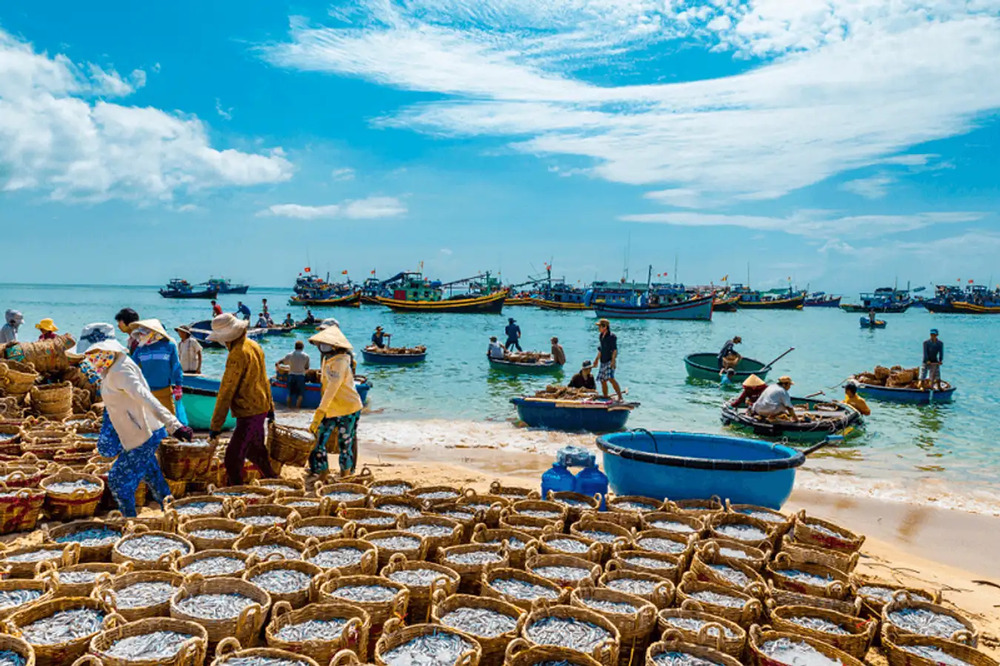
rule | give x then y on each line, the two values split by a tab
308	270
971	281
343	272
373	271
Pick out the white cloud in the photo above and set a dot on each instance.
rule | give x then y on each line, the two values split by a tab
345	173
874	187
224	113
360	209
852	82
60	136
446	252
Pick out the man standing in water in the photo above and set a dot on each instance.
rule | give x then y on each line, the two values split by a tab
607	356
930	371
513	332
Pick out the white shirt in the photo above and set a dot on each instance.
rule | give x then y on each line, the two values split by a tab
496	350
189	352
134	411
773	401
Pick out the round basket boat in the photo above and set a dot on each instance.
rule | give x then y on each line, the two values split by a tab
595	416
705	367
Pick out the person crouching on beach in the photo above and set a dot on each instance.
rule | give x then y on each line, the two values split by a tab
156	354
855	401
135	422
607	356
48	329
335	423
245	391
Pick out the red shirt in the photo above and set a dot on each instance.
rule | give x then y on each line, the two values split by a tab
216	309
748	396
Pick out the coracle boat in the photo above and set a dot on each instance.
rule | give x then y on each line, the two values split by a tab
489	304
394	356
313	391
699	308
911	396
540	364
867	323
588	415
348	301
683	466
705	366
823	419
200	393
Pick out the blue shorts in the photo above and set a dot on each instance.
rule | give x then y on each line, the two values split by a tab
296	386
605	372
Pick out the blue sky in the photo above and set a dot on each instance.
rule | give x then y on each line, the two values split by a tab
843	143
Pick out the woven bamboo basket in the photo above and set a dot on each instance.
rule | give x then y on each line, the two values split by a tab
248	494
636	628
759	637
10	406
81	503
370	519
516	542
777	597
189	529
10	435
18	378
493	647
261	517
107	591
53	401
632	505
718	524
186	461
700	652
354	635
554	594
434	495
331	527
387	487
18	646
725	551
842	561
586	572
673	521
566	544
418	610
704	508
535	527
245	627
399	505
513	493
289	445
191	507
680	546
48	357
36	433
438	532
782	523
306	507
715	632
648	587
32	584
191	653
705	569
471	573
75	460
189	565
812	531
554	512
62	555
606	534
855	642
465	516
346	495
409	545
874	603
838	587
21	474
379	612
521	653
903	600
59	654
489	505
230	649
899	650
62	582
161	563
20	508
397	635
297	598
577	504
659	564
606	652
367	565
272	544
747	614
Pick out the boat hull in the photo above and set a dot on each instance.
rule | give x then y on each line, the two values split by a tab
242	289
802	433
518	302
867	323
313	392
699	466
705	367
375	358
350	301
188	295
199	398
546	368
492	304
696	309
569	416
972	308
559	305
906	396
895	308
822	303
794	303
726	304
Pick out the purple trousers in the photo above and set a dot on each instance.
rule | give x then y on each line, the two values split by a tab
247	443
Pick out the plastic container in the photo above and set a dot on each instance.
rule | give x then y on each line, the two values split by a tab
591	481
557	479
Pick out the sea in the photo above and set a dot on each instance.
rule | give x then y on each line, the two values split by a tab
944	454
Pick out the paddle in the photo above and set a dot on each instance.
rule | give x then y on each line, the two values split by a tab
829	440
790	350
813	395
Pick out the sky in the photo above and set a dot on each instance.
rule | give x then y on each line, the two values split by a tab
839	144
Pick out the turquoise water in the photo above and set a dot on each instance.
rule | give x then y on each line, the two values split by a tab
955	443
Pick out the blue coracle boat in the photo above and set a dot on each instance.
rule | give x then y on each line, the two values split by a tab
909	396
574	416
200	393
314	392
381	358
867	323
679	466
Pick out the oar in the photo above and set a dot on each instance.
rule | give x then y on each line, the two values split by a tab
790	350
831	439
813	395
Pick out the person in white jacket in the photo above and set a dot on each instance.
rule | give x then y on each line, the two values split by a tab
135	422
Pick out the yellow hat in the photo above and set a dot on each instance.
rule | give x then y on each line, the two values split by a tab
332	336
47	325
785	379
753	381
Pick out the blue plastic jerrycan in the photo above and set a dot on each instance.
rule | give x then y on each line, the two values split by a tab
592	481
557	479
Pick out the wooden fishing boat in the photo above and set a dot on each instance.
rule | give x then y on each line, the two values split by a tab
705	366
911	396
546	304
518	301
542	367
375	357
279	330
348	301
824	419
788	303
183	289
867	323
961	307
490	304
226	286
200	394
699	309
314	392
201	329
596	415
726	303
822	300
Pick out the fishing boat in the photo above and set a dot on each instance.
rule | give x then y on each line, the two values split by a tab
974	308
200	394
491	304
313	391
868	323
726	303
818	421
705	366
312	290
691	309
912	396
779	299
225	286
972	299
372	355
279	330
819	299
521	300
410	291
882	300
352	300
543	366
201	329
594	415
680	465
178	288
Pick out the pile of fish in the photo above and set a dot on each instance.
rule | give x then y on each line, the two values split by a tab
522	589
11	658
282	581
694	624
680	659
215	606
415	577
365	593
337	557
568	633
91	538
797	653
925	622
214	566
435	649
155	645
63	626
312	630
144	595
70	487
479	621
151	547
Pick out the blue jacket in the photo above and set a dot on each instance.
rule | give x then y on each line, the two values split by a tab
160	365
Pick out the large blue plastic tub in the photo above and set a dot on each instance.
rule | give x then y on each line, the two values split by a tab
679	466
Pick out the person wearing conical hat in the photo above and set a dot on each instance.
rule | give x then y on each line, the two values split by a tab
48	329
335	422
156	354
246	392
12	321
753	387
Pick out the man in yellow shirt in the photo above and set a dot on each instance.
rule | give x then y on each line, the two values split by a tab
852	399
336	420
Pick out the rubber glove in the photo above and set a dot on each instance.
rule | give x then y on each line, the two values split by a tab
184	433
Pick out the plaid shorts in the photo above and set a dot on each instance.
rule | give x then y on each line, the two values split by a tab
605	372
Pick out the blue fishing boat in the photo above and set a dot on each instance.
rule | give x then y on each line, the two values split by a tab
201	329
596	415
868	323
882	300
312	290
225	286
680	466
819	299
775	299
691	309
911	396
373	356
313	392
178	288
200	394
